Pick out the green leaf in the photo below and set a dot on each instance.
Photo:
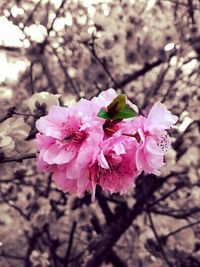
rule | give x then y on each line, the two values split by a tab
103	114
117	110
126	113
116	105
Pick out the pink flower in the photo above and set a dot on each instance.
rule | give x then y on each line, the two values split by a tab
64	134
115	169
153	139
74	177
112	167
83	150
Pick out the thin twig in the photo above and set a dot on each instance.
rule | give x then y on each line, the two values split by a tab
138	73
101	61
159	241
11	204
178	214
56	15
47	72
181	229
70	243
14	257
64	69
25	114
31	77
18	158
164	196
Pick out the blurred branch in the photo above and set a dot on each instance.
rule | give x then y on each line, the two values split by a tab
64	69
10	48
31	77
179	141
32	241
191	11
70	243
101	61
53	246
112	257
47	72
138	73
165	196
159	241
155	89
14	257
11	204
178	214
18	158
102	245
180	229
24	114
104	206
56	15
30	16
195	7
147	67
11	111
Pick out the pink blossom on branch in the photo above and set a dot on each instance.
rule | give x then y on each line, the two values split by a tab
115	167
153	139
83	147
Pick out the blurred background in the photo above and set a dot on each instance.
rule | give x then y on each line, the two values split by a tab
52	49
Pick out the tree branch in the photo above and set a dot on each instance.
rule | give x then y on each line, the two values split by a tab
70	243
159	241
101	247
138	73
180	229
18	158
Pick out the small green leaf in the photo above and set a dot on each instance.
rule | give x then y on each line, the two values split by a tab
116	105
126	113
117	110
103	114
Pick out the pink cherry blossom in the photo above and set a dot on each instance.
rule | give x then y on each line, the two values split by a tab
63	132
83	151
153	139
115	169
74	177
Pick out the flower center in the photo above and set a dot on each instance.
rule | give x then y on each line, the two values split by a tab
71	132
75	137
114	167
163	142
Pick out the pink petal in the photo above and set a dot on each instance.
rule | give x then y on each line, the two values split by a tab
102	160
161	118
50	153
119	149
65	155
59	114
84	183
64	184
49	128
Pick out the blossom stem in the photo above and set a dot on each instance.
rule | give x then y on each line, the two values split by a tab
136	135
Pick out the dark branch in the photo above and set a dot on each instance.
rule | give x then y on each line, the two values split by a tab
159	241
70	243
18	158
138	74
101	247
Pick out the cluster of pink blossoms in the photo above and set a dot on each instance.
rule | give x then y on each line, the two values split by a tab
82	149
